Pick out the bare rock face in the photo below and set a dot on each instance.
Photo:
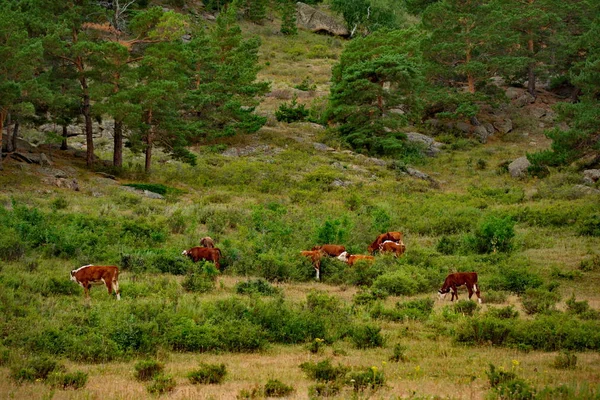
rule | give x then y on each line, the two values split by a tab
591	176
315	21
432	148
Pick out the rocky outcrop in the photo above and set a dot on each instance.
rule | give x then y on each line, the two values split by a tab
314	20
591	176
518	168
432	148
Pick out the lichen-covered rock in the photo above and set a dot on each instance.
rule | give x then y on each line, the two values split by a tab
316	21
518	168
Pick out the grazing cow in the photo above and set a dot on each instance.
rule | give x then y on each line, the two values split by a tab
393	236
207	242
453	281
315	258
351	259
392	247
204	253
89	274
332	250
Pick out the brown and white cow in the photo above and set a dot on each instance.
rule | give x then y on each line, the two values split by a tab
392	247
207	241
332	250
453	281
392	236
315	257
204	253
88	274
351	259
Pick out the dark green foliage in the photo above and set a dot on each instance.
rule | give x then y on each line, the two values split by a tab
327	389
146	370
539	301
495	296
364	297
590	226
276	388
68	380
508	385
365	16
93	348
565	360
515	279
256	286
590	264
507	312
155	188
366	336
157	260
448	245
478	330
11	246
581	309
367	378
323	371
59	203
288	18
306	85
208	374
162	384
291	112
33	369
493	234
409	310
198	282
466	307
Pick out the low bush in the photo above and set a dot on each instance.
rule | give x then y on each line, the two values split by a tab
465	307
419	309
581	309
590	226
257	286
198	282
366	378
539	301
515	279
12	247
492	234
323	371
146	370
276	388
68	380
162	384
495	296
483	330
507	312
565	360
366	336
208	374
291	112
399	353
34	369
327	389
364	297
590	264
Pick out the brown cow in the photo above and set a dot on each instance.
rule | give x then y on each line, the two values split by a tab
392	247
315	257
204	253
393	236
351	259
207	241
332	250
89	274
453	281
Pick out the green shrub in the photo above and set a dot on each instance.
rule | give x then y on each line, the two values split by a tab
516	280
38	368
493	234
364	297
498	377
507	312
323	371
4	356
198	282
162	384
419	309
590	226
291	112
146	370
448	245
368	377
68	380
590	264
581	309
515	389
466	307
399	353
92	348
257	286
327	389
565	360
398	283
539	301
276	388
12	247
208	374
366	336
483	330
495	296
59	203
555	332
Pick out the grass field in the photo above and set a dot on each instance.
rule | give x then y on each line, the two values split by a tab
262	209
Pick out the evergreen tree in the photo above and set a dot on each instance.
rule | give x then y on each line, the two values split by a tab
288	18
367	16
376	74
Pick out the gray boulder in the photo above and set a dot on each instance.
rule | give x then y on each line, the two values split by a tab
518	168
432	148
315	21
591	176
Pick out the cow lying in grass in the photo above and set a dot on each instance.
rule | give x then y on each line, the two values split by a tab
453	281
351	259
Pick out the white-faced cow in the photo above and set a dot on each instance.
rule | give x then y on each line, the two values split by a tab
453	281
89	274
392	236
207	241
392	247
204	253
315	257
351	259
332	250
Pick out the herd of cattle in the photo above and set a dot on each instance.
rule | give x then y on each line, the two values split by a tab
389	242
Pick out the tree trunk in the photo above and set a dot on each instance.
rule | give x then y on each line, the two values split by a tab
63	145
2	117
149	143
118	145
531	69
15	135
87	114
9	142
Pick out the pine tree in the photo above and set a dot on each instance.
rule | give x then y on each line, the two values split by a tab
288	18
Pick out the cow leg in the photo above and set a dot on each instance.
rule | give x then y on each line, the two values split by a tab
470	290
115	286
454	293
318	269
217	265
108	285
477	293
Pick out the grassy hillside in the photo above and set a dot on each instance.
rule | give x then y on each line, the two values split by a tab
266	197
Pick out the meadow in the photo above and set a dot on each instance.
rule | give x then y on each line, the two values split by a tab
263	327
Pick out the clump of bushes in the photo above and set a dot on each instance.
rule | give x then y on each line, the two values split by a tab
364	297
366	336
565	360
494	234
68	380
539	301
33	369
590	226
399	353
590	264
257	286
325	389
581	309
291	112
465	307
507	312
162	384
208	374
366	378
515	279
276	388
507	385
419	309
323	371
146	370
198	282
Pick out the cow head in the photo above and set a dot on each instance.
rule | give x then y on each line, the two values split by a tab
443	292
343	257
184	253
73	275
